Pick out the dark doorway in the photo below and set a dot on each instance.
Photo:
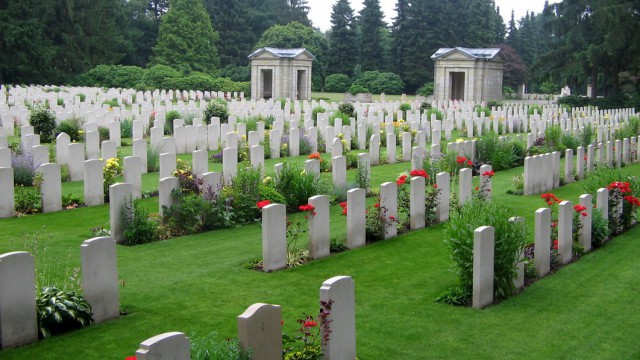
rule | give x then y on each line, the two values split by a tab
457	85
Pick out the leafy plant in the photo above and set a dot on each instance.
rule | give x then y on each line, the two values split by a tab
27	200
510	239
72	127
312	335
296	186
216	108
43	122
315	111
139	228
358	89
168	121
60	311
153	159
23	169
126	128
599	229
338	83
346	108
209	347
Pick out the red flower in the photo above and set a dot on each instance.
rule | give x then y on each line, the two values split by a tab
583	213
435	186
282	322
555	244
392	217
401	180
419	173
554	224
307	207
376	205
489	173
263	203
315	156
585	158
477	188
343	204
130	358
470	163
310	323
579	208
461	159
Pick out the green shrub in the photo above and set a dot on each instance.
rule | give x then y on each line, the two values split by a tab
315	111
479	109
358	89
533	108
43	122
159	77
501	155
216	109
438	113
599	229
236	73
339	115
552	136
586	136
337	83
60	311
381	82
296	186
72	127
139	228
602	176
111	76
569	141
405	107
126	128
425	106
194	81
211	348
245	190
24	170
27	200
153	159
226	85
103	133
510	240
426	89
169	117
575	101
347	108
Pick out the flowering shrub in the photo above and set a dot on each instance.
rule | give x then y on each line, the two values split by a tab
110	171
377	221
484	189
312	335
190	183
623	206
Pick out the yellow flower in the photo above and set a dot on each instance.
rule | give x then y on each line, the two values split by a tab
459	140
266	180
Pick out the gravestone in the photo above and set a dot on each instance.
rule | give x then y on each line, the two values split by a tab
518	280
92	143
18	314
51	188
443	183
165	192
319	227
167	164
465	185
260	330
542	259
133	175
256	155
483	266
76	162
199	162
342	339
120	203
389	202
312	167
565	232
39	155
486	183
5	157
211	181
7	200
391	148
586	200
274	237
93	183
417	202
356	220
229	164
169	346
602	201
140	150
339	174
568	166
406	146
62	148
100	277
374	150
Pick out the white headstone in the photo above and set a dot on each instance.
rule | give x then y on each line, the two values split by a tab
100	277
169	346
167	164
319	227
132	167
51	188
483	266
356	220
18	314
417	202
389	208
260	331
93	183
274	237
565	232
342	340
443	183
119	201
166	188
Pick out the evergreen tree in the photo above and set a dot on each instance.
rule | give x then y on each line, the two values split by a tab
512	31
400	37
186	39
229	18
371	25
342	39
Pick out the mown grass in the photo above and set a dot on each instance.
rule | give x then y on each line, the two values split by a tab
196	284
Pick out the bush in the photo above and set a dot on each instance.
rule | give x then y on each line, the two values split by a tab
438	113
60	311
358	89
27	200
405	107
103	133
296	186
339	115
72	127
168	121
212	348
533	108
194	81
111	76
153	159
602	176
599	229
510	240
479	109
501	155
315	111
381	82
126	128
337	83
43	122
23	169
138	227
216	108
236	73
426	89
425	106
159	77
226	85
347	109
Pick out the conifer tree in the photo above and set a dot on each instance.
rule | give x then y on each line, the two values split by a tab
371	26
342	39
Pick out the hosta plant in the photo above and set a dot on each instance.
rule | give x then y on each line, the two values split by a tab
60	311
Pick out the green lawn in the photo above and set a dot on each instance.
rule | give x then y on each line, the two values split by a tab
196	284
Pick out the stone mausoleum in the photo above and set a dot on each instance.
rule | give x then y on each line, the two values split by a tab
281	73
468	74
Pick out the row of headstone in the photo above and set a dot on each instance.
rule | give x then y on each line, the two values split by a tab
18	312
260	329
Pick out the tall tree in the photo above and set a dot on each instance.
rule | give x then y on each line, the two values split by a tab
342	39
400	36
512	30
229	18
186	39
371	26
